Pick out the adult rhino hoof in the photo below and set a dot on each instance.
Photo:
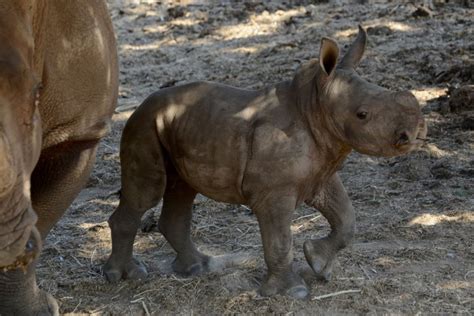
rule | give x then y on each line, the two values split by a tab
51	308
319	256
133	270
42	304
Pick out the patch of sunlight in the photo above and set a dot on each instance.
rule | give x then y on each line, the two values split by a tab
155	29
149	46
104	202
437	152
243	50
374	161
98	236
455	285
431	219
295	229
259	24
385	262
347	33
247	113
427	94
123	116
395	26
90	225
259	104
304	223
184	22
164	43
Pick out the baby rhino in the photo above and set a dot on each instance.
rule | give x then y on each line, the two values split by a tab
270	149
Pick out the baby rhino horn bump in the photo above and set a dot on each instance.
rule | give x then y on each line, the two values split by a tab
353	56
7	171
406	98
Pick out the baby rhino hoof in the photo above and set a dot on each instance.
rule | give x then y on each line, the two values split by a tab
299	292
132	270
320	257
291	285
198	265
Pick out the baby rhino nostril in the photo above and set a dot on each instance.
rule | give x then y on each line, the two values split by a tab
403	138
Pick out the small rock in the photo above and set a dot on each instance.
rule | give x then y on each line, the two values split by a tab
168	84
441	170
469	173
413	167
289	21
430	184
468	123
205	32
176	12
462	98
422	12
458	73
379	30
96	228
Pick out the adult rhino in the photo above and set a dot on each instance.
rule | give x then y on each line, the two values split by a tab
58	89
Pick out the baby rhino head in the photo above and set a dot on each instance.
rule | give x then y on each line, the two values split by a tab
370	119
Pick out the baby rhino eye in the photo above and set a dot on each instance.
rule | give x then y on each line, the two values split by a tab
362	115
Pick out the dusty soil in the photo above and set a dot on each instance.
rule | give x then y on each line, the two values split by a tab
413	251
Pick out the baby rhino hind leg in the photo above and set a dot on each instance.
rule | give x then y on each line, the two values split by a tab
143	185
175	225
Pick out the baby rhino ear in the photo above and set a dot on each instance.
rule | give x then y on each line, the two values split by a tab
353	56
328	55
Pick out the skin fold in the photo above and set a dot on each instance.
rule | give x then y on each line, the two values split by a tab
271	149
58	89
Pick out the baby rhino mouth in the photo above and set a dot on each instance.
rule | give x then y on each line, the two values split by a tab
406	141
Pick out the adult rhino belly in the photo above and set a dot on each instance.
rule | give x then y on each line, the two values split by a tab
79	72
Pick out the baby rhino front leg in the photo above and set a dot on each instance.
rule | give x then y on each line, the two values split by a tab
333	202
274	212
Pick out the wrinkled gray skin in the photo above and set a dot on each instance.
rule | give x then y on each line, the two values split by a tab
58	88
271	149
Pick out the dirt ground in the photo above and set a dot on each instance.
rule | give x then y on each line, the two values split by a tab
413	251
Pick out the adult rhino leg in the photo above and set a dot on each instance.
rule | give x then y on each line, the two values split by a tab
274	213
143	184
21	296
58	177
335	205
175	225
